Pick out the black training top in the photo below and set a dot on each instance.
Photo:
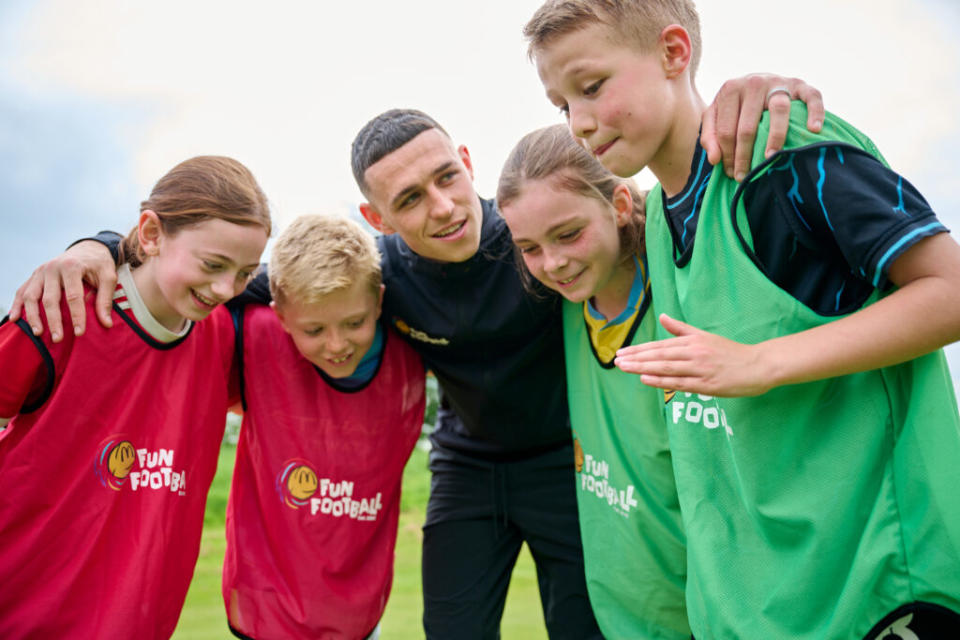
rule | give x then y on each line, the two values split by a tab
496	349
826	223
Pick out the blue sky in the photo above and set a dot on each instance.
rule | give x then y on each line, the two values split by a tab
98	98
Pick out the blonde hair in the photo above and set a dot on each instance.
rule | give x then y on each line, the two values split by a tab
636	23
199	189
317	255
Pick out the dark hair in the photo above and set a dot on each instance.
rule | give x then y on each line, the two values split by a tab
385	134
200	189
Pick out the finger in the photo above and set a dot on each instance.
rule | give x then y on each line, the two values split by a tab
751	110
672	383
814	101
665	367
708	134
51	305
73	293
14	312
728	115
778	105
677	327
107	284
670	349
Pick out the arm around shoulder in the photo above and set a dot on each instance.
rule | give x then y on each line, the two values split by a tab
89	260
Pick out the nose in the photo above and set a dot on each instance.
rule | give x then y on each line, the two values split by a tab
441	204
226	286
336	341
580	120
553	260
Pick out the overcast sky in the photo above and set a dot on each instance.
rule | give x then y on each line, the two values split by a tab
99	98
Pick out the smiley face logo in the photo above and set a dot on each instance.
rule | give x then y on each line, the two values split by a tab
120	460
668	396
302	482
296	483
578	455
115	459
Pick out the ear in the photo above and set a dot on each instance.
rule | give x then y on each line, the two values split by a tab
676	50
465	158
380	300
149	232
622	204
280	316
375	219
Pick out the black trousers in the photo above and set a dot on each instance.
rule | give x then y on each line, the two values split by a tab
478	516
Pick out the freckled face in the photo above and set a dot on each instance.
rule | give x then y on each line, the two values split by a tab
615	99
570	242
337	331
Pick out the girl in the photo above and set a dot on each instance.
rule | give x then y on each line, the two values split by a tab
579	231
114	437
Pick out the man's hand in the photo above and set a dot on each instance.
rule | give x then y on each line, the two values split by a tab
730	122
87	260
697	362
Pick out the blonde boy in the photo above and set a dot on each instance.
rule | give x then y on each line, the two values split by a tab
333	404
826	508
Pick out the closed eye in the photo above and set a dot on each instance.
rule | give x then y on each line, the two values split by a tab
592	88
569	236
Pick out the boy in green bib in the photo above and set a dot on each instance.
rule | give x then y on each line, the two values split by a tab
814	435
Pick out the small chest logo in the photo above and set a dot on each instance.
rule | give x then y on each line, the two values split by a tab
899	630
594	476
299	485
120	465
417	334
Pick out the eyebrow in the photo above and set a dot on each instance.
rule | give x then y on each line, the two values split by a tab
397	199
227	259
551	229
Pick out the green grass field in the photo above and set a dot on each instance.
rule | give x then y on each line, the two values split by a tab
203	616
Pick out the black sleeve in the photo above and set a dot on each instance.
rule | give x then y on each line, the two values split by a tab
828	221
110	239
847	201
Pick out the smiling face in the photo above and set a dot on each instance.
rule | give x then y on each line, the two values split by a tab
187	274
336	331
617	100
569	241
424	192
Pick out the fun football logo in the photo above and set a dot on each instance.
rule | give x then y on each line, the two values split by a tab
296	483
119	465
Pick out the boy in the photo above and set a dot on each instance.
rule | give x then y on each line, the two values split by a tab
333	405
825	509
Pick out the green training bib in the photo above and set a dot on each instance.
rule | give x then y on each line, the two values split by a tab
815	509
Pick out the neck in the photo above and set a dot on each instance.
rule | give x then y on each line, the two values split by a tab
153	299
612	299
672	164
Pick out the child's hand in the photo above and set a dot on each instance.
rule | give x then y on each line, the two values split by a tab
88	260
697	362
